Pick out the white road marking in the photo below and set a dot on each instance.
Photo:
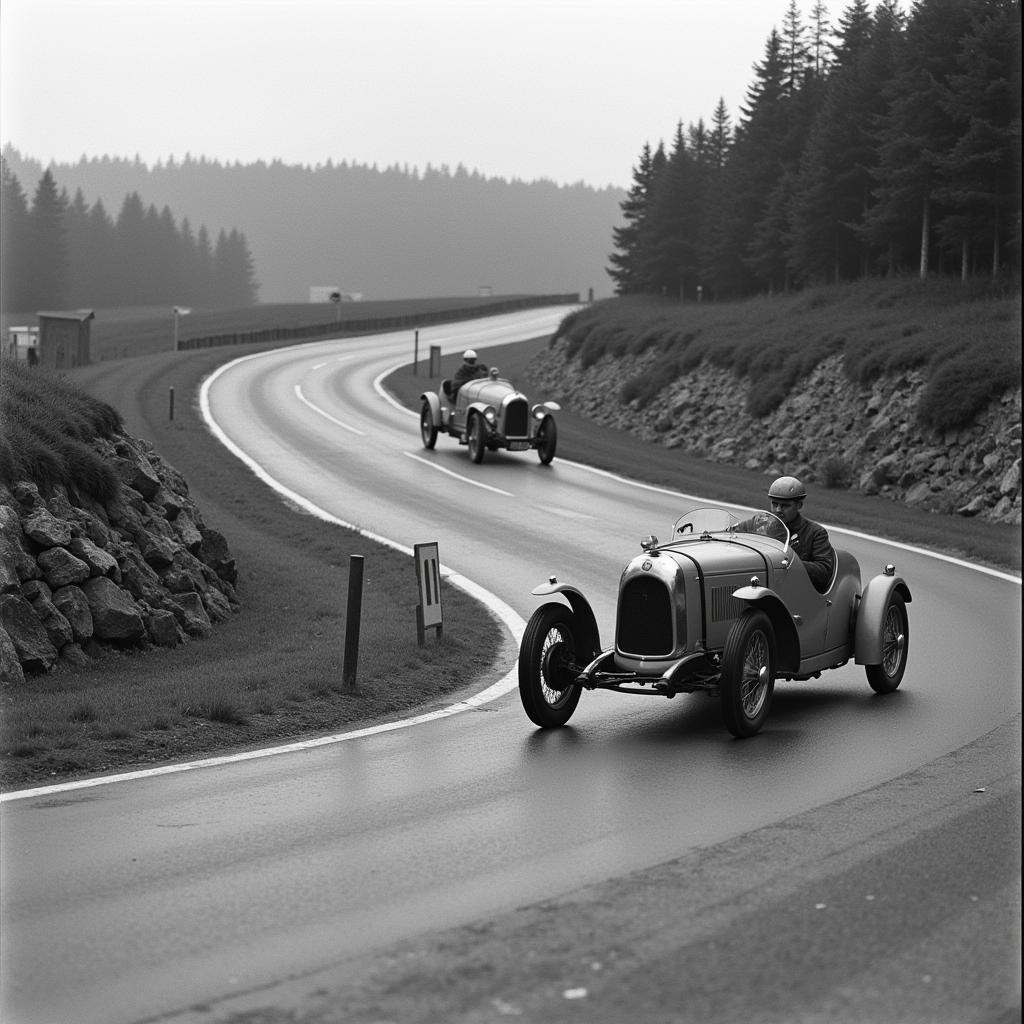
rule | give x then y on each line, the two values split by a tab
458	476
502	611
326	415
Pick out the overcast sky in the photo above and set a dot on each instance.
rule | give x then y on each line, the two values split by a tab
568	90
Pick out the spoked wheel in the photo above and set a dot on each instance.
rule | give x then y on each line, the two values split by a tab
547	657
884	678
748	673
547	435
475	438
427	429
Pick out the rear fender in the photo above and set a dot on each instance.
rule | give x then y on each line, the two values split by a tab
589	636
787	641
870	613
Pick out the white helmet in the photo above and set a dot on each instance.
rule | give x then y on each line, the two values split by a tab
469	355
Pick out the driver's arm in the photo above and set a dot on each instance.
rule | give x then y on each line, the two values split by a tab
818	556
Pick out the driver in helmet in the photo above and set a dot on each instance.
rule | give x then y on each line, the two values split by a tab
469	370
807	538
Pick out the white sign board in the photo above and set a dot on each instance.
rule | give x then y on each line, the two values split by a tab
428	576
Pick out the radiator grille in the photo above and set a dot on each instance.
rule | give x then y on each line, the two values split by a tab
645	618
517	419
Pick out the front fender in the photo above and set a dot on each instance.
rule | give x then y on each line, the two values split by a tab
434	403
867	643
787	640
589	633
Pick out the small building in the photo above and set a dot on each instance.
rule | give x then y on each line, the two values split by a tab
23	344
64	338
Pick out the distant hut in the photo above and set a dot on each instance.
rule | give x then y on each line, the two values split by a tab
64	338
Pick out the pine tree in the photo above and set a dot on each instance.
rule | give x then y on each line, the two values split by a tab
981	173
916	132
626	262
47	249
833	190
15	294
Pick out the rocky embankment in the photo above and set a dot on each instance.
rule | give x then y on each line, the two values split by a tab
829	431
76	575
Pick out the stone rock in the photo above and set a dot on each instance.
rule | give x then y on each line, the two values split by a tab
100	562
192	615
60	567
137	472
972	508
163	629
11	672
57	627
46	529
72	603
115	616
35	651
73	654
1010	483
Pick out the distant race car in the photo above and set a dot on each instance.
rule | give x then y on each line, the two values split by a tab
487	415
723	608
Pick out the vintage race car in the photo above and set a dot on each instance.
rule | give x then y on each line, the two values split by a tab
489	414
723	608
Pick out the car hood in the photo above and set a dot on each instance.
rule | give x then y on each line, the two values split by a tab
742	554
490	392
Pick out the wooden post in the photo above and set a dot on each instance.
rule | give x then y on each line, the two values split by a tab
170	403
352	619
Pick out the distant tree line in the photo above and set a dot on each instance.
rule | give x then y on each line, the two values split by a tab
892	148
60	253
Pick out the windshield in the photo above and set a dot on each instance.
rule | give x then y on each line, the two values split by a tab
704	523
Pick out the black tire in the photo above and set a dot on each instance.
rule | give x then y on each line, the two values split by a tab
475	437
547	656
748	673
427	429
547	440
884	678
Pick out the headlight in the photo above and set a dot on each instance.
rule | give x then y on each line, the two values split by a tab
491	415
538	412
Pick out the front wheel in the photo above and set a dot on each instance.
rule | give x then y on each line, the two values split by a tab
547	440
427	429
475	438
748	673
884	678
547	666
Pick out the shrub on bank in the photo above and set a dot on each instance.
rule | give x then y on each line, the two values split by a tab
964	335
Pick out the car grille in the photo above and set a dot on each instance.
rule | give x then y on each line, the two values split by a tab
645	618
517	419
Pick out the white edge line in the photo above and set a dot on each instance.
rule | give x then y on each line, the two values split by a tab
326	415
457	476
502	611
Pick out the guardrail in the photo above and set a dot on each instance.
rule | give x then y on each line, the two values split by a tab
376	324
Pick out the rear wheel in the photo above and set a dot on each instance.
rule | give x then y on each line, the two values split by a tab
547	659
884	678
475	437
427	429
547	440
748	673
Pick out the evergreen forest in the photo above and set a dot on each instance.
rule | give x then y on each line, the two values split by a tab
889	144
62	253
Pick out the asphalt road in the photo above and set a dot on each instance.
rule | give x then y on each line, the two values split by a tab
250	890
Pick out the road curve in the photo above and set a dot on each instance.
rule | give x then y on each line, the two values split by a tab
131	900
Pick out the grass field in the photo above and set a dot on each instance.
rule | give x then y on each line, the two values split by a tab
273	672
